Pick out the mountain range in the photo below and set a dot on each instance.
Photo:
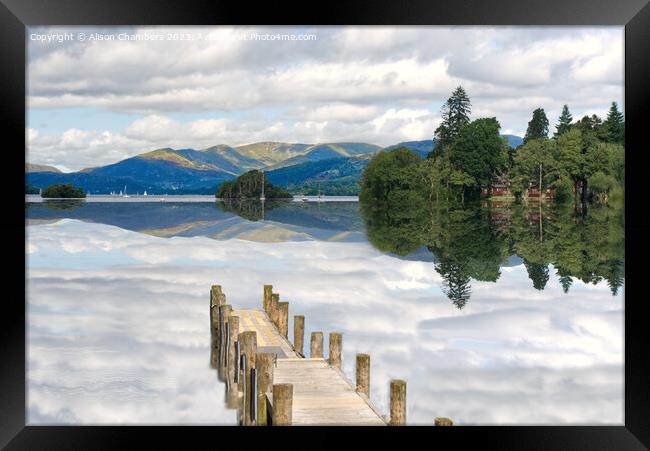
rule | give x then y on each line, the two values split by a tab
332	168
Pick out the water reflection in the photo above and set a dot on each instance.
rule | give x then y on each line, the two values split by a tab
118	318
473	243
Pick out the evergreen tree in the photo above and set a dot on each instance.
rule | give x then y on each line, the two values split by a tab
564	123
538	273
615	125
455	115
538	126
565	279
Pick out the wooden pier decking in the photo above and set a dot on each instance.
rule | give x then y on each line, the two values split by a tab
271	382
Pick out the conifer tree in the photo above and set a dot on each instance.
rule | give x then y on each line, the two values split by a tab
564	123
538	126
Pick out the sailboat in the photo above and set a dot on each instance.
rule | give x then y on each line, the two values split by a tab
125	195
320	198
145	193
262	198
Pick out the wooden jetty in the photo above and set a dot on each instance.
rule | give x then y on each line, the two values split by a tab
270	381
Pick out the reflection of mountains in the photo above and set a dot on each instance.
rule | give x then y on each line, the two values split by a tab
283	220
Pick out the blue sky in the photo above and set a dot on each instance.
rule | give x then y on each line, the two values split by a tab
96	102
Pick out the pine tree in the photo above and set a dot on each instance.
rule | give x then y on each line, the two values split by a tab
564	123
615	125
538	126
455	115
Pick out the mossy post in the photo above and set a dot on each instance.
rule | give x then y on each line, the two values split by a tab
442	421
282	404
363	374
224	313
248	349
264	363
316	345
283	319
336	346
268	291
299	334
275	300
397	402
232	389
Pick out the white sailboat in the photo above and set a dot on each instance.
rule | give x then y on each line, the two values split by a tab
262	198
320	198
125	195
145	193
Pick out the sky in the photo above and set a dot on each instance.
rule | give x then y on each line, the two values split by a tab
138	351
94	102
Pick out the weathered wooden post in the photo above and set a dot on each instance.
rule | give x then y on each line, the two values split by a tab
282	404
217	299
232	389
397	402
214	290
264	363
283	319
443	421
275	300
316	346
336	344
363	374
299	334
268	291
224	313
248	351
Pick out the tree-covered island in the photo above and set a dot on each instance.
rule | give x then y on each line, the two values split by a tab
249	186
63	191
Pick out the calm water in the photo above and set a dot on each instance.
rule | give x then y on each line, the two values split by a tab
502	315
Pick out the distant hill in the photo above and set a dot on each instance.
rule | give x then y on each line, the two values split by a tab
29	167
513	140
334	176
421	147
327	151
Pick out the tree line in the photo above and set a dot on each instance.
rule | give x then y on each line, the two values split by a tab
583	160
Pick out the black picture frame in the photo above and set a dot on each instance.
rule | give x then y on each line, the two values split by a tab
16	15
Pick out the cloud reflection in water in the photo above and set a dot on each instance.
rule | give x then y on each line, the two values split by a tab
118	330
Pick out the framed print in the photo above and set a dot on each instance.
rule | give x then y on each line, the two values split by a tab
369	214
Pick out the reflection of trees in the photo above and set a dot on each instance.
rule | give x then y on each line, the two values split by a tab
474	242
57	204
253	210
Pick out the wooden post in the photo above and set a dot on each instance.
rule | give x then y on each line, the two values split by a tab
268	290
363	374
316	348
442	421
224	313
248	348
283	319
397	402
214	290
219	300
336	345
275	299
282	404
299	334
232	389
264	363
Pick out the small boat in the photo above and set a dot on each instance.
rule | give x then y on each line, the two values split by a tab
305	198
145	193
262	197
320	198
125	195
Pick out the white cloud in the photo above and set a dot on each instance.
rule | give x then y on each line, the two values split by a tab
332	89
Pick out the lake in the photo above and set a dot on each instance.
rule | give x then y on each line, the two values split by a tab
494	314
